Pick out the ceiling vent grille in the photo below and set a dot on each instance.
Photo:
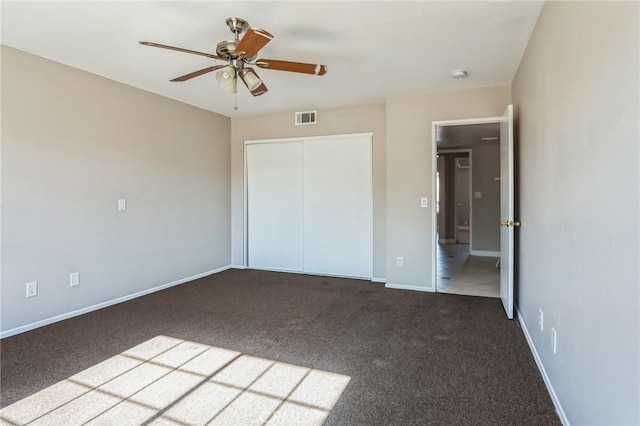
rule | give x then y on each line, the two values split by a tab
306	117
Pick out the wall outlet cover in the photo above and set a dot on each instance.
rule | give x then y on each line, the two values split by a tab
32	289
541	320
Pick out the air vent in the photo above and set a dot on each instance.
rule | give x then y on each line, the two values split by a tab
306	117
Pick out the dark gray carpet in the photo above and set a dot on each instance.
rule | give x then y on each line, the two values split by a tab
413	358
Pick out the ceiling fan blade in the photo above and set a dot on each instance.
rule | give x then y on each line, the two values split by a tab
197	73
254	40
272	64
180	49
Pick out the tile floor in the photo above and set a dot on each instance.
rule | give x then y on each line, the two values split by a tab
460	273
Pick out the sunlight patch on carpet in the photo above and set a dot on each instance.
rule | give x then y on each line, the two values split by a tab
168	381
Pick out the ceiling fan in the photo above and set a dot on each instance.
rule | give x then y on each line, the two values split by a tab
240	53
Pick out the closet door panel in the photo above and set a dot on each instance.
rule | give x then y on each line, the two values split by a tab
275	194
337	207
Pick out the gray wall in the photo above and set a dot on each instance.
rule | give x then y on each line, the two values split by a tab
404	166
486	211
410	174
577	96
72	144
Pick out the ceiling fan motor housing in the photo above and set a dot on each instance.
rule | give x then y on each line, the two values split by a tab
227	48
237	25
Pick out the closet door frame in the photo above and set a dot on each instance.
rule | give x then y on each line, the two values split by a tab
302	139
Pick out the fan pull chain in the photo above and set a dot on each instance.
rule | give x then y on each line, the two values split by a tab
235	106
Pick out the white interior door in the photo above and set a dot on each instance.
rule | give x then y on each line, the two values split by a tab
275	206
337	207
507	220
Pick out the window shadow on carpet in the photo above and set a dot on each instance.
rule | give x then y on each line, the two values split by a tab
168	381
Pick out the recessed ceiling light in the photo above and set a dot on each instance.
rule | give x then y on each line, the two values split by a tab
459	74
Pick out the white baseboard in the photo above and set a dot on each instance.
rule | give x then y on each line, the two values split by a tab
447	241
51	320
238	267
409	287
378	280
315	274
545	377
484	253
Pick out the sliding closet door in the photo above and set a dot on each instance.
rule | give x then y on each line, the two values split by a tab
275	202
337	206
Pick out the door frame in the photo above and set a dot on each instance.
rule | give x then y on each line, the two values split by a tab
434	170
470	152
248	142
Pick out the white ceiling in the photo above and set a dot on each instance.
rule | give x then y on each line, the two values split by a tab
373	50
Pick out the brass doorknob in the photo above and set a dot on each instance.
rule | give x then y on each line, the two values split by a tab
509	223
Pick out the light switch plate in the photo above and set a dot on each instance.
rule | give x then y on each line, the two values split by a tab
424	202
122	204
478	195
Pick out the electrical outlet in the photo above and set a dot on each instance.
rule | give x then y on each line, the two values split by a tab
541	320
554	339
399	262
74	279
32	289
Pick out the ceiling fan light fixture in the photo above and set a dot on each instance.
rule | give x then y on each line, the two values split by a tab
250	79
227	79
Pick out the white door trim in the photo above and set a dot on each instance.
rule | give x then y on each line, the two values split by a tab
455	213
309	138
434	170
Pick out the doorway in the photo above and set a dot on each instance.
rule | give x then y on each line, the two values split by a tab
467	248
